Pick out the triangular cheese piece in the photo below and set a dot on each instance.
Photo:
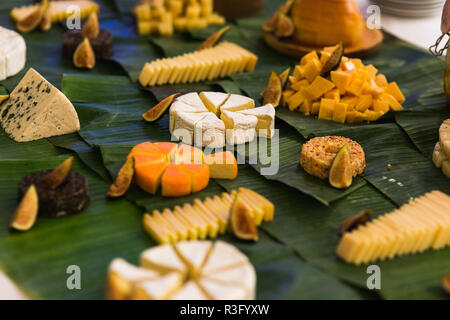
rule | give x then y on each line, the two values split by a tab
266	119
221	291
194	254
223	256
192	99
214	100
162	258
237	102
158	289
184	126
36	110
190	291
240	128
179	106
210	132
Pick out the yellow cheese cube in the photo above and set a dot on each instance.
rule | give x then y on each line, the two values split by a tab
357	63
179	23
299	85
333	94
381	80
365	101
312	69
380	105
158	12
206	10
317	88
295	100
176	7
392	102
355	117
306	107
299	72
324	56
371	70
326	109
373	115
215	19
315	108
197	23
340	112
356	86
373	88
144	27
308	57
347	66
351	102
395	91
193	11
143	12
284	97
341	79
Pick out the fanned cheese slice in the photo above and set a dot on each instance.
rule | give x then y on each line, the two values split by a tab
184	127
210	132
162	258
158	289
222	257
59	10
194	254
12	53
215	290
180	106
240	128
122	276
36	110
190	291
214	100
237	102
266	119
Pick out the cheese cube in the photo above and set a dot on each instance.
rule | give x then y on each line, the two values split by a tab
395	91
312	69
341	79
326	109
365	101
319	87
340	112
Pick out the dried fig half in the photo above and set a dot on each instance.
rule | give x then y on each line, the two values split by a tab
84	56
341	172
26	213
123	179
285	26
284	77
91	28
353	222
157	111
333	61
55	178
242	223
46	23
273	91
33	20
446	283
214	39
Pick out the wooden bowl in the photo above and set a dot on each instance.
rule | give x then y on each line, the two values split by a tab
369	42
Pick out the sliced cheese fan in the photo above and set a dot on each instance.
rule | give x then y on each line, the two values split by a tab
36	109
59	10
12	53
441	153
194	270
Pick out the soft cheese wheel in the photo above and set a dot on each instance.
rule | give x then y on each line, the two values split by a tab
12	53
37	110
266	119
240	128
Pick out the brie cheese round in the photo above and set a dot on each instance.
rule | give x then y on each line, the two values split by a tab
12	53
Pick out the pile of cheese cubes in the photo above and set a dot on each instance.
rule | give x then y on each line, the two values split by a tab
164	16
352	93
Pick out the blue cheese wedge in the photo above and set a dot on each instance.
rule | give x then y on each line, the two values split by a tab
12	53
266	119
36	109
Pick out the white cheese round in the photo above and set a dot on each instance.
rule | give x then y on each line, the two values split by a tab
12	53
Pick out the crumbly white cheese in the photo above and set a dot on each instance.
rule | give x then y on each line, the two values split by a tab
36	109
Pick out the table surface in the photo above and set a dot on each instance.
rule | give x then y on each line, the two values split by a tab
420	32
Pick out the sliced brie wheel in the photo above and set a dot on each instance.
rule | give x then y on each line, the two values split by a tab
222	257
178	107
184	127
266	119
163	259
194	254
237	102
210	132
12	53
190	291
215	290
192	99
214	100
240	128
158	289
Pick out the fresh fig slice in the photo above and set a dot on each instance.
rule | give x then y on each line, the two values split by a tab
57	177
242	223
285	26
284	77
123	179
91	28
446	283
273	91
214	39
341	172
157	111
26	213
33	20
46	23
84	56
352	223
333	61
271	24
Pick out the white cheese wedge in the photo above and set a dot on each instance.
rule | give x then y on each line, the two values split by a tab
163	259
12	53
190	291
192	99
194	254
237	102
210	132
36	110
266	119
159	289
184	128
179	106
242	276
240	128
223	257
221	291
214	100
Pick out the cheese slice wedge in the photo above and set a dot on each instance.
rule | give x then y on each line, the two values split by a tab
240	128
158	289
214	100
223	257
237	102
190	291
192	99
266	119
59	10
210	132
215	290
185	126
12	53
163	258
179	106
194	254
36	110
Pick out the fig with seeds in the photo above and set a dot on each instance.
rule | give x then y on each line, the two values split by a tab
341	172
84	56
55	178
157	111
123	179
242	223
26	213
